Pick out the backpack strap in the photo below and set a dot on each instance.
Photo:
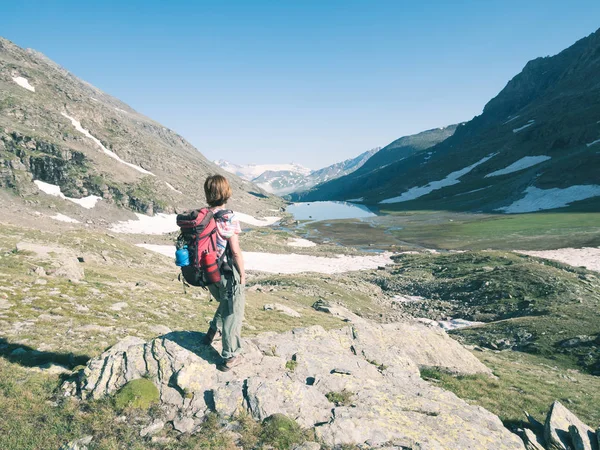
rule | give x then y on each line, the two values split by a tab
225	260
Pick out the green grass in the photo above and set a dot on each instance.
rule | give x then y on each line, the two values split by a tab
342	398
524	382
281	432
550	301
503	232
447	230
291	365
535	305
35	417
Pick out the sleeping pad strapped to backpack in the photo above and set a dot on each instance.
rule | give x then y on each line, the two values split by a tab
199	237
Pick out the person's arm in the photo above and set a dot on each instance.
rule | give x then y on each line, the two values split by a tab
238	258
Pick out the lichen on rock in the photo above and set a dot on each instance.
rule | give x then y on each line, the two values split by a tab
390	402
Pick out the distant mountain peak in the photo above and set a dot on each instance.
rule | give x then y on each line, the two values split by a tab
284	179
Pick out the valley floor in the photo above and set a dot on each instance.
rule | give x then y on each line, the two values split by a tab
541	341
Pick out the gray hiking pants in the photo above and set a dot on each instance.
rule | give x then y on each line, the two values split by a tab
229	292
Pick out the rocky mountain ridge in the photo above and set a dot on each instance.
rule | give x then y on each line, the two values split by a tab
534	147
60	130
287	179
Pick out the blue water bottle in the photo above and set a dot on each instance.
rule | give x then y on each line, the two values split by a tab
182	257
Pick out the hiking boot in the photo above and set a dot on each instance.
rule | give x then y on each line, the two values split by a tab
229	364
210	335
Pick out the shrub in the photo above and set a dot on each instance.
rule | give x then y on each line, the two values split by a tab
281	432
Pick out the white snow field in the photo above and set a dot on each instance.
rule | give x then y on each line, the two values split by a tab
62	218
452	324
407	298
355	199
451	179
157	224
51	189
166	223
588	257
597	141
251	171
521	164
250	220
301	243
78	127
292	263
170	186
531	122
24	83
536	199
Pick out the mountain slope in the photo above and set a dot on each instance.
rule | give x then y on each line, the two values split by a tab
354	184
63	131
536	146
340	169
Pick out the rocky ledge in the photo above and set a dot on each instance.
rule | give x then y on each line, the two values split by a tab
357	385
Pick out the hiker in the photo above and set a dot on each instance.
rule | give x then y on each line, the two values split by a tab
229	291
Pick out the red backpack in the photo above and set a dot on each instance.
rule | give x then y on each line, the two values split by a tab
199	235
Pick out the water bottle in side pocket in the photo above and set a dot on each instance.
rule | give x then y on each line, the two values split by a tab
182	257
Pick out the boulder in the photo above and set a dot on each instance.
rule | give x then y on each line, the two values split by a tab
65	263
184	424
152	429
532	440
79	444
556	430
283	309
294	374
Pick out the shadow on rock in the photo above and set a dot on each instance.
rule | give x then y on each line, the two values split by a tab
192	341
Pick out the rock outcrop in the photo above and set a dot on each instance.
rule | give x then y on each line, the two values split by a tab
563	431
298	372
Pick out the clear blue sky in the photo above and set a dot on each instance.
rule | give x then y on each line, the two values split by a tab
312	82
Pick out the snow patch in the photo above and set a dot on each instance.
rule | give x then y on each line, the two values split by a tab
511	119
24	83
251	171
356	199
516	130
113	155
407	298
172	188
167	223
158	224
62	218
587	257
250	220
302	243
521	164
452	324
540	199
451	179
597	141
293	263
121	110
51	189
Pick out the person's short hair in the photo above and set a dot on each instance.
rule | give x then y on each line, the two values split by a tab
217	190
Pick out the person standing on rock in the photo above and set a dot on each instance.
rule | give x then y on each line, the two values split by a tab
229	292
